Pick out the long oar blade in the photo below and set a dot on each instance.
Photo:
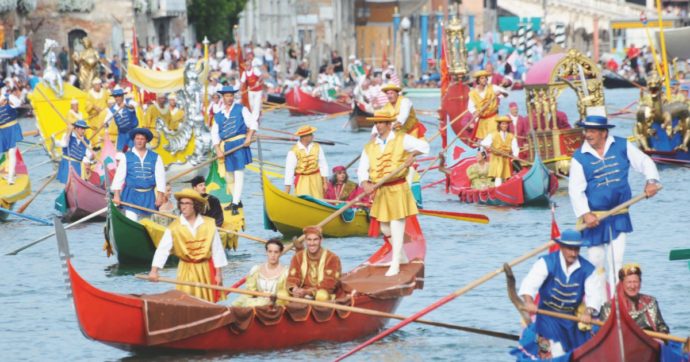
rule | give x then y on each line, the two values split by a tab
476	218
679	254
25	216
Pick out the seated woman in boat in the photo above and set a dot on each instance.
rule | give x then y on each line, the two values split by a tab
340	187
314	271
478	174
269	277
502	144
194	239
642	308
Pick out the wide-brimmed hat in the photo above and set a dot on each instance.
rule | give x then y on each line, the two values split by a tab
305	131
197	180
228	89
97	81
384	115
595	118
142	131
339	168
503	119
81	124
118	92
481	73
570	238
190	194
391	86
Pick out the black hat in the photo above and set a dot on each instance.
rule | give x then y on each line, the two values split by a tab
197	180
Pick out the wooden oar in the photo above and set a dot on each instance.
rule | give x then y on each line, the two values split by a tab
320	140
39	165
461	216
474	119
295	139
85	218
207	162
33	132
25	216
679	254
479	282
30	200
345	308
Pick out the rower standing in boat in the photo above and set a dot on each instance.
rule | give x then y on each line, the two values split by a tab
314	271
405	115
155	111
124	113
214	210
194	239
393	201
76	152
176	115
253	78
599	182
141	172
96	102
504	142
563	280
306	166
483	104
10	131
233	126
73	114
340	187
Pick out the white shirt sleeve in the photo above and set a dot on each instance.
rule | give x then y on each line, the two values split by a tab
108	117
534	279
594	288
514	147
487	141
249	119
471	107
290	164
641	162
217	252
163	250
63	141
412	144
405	106
215	136
88	155
120	172
159	174
323	164
577	184
243	77
363	168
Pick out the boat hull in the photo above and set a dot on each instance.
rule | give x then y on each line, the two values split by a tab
10	194
289	214
358	119
83	198
130	241
301	104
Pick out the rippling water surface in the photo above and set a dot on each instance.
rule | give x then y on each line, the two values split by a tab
38	321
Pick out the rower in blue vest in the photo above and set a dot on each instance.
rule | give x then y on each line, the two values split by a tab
125	116
233	126
76	152
599	182
140	176
10	131
563	279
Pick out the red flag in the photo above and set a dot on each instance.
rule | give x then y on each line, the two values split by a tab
135	48
555	232
29	51
241	68
443	66
383	58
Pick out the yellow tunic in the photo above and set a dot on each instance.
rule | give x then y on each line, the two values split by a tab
175	117
499	166
488	108
411	122
96	110
479	176
258	283
73	116
393	200
309	179
195	255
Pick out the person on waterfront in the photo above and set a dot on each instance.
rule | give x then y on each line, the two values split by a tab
642	308
10	131
502	144
314	271
194	239
96	102
340	187
253	79
599	182
483	104
76	151
405	115
175	114
393	202
214	209
125	116
305	165
269	277
563	279
139	177
233	127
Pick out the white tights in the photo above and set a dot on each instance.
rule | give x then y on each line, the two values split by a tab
598	256
234	182
395	230
255	100
498	181
11	162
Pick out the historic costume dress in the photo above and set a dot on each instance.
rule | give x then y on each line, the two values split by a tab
319	272
125	120
176	117
479	176
153	112
96	102
644	310
75	153
230	130
505	142
487	103
343	192
257	282
405	115
200	251
306	166
10	131
141	176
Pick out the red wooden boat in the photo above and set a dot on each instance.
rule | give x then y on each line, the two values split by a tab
130	321
301	103
83	197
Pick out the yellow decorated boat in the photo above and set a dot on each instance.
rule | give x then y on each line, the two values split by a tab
9	194
289	214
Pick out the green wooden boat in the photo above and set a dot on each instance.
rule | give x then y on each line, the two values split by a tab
129	239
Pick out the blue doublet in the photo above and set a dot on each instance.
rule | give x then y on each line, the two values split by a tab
232	131
562	294
140	181
72	155
10	131
126	120
607	187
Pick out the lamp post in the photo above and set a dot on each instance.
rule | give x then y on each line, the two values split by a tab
439	32
405	25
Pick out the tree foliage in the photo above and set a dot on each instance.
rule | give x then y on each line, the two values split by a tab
214	18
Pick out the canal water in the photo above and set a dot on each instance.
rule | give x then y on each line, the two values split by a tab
38	322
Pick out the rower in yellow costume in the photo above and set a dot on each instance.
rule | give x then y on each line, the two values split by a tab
314	271
483	104
393	201
194	239
153	112
405	115
96	105
502	144
306	166
175	114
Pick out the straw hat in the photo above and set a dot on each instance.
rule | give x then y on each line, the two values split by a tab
97	81
391	86
305	130
384	115
190	194
481	73
503	119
